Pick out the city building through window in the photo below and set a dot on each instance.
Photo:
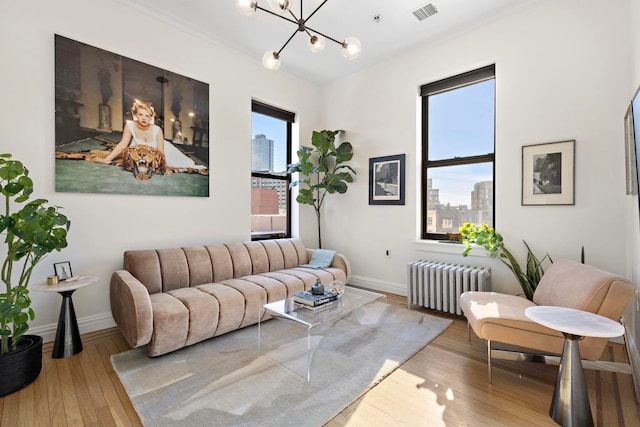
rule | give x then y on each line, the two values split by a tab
270	155
458	140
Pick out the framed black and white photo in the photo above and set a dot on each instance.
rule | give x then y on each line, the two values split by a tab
630	153
63	270
386	180
548	173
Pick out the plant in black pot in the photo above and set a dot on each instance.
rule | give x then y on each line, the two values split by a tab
31	230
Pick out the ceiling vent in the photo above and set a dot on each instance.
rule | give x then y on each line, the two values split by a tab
425	11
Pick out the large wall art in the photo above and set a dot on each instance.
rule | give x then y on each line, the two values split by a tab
126	127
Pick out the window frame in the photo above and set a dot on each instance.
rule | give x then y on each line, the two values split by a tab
289	118
451	83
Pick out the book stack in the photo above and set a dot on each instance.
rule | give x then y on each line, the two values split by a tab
314	302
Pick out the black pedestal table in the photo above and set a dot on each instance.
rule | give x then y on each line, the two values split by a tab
67	342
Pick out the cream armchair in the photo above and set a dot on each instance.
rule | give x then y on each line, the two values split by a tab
500	318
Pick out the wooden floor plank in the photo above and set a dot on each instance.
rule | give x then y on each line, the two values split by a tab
72	412
444	384
11	408
40	406
57	417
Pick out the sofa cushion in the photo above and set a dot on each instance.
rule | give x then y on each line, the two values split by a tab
221	263
203	313
231	303
292	255
275	289
170	324
259	257
501	318
199	262
174	269
144	265
254	297
306	275
293	283
240	259
274	254
567	284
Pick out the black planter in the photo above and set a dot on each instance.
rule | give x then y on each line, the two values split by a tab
21	367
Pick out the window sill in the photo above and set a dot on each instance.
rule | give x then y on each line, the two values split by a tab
447	247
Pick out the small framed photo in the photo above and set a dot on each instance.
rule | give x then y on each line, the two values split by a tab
63	270
548	173
630	153
386	180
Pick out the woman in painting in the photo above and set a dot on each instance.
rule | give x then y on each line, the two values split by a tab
139	131
143	131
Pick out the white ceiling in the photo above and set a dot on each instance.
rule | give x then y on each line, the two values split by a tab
397	31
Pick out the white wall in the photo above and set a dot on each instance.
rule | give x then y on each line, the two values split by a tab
633	220
103	226
561	73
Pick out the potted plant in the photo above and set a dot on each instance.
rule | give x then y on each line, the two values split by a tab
30	233
323	169
486	236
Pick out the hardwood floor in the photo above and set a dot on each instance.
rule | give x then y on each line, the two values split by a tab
445	384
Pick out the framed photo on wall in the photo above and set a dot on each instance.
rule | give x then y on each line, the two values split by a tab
386	180
630	153
548	173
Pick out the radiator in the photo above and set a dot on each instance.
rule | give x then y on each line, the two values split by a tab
437	285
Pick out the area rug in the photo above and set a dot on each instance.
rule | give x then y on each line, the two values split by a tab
228	381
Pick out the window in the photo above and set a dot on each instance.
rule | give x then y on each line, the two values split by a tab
458	122
270	155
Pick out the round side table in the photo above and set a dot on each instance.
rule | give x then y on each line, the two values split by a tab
68	340
570	403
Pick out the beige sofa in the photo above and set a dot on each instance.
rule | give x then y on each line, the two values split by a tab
166	299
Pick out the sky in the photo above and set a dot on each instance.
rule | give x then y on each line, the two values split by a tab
275	130
461	123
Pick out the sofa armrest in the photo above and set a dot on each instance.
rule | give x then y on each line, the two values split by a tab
131	308
340	261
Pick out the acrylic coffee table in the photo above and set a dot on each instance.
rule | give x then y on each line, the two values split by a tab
352	299
570	403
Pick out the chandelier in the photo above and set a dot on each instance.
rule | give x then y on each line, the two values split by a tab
271	60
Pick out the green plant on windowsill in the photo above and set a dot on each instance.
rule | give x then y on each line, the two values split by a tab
483	235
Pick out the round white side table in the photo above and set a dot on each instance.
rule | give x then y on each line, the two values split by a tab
67	342
570	403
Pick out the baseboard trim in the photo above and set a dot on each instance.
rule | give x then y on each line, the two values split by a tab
85	325
379	285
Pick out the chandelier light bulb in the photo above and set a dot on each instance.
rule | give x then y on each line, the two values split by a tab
315	43
246	7
351	48
279	6
271	61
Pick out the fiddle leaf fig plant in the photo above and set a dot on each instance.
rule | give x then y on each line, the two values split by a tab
30	233
483	235
324	171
